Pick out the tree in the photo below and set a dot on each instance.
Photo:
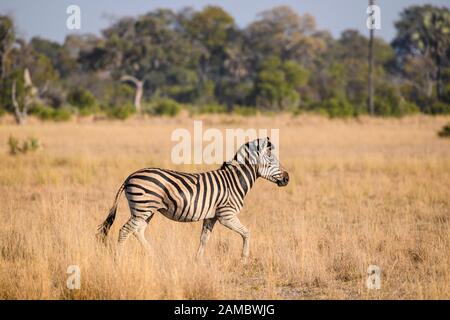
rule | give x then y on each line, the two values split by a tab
425	31
277	83
418	83
215	33
58	55
147	52
280	60
7	39
212	27
19	64
283	33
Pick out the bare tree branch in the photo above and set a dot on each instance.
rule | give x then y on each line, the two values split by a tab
139	90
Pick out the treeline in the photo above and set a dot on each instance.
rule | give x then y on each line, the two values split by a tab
162	60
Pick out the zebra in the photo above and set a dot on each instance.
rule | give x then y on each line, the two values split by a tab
189	197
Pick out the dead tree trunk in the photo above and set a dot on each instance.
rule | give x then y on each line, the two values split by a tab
139	90
21	113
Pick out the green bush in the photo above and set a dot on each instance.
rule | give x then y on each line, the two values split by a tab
165	106
245	111
338	108
335	107
62	114
445	131
115	94
121	112
384	102
15	147
42	112
389	102
446	93
47	113
212	108
438	107
84	100
406	107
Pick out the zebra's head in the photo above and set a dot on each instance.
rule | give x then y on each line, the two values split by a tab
259	153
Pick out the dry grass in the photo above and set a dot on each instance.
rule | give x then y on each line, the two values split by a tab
362	192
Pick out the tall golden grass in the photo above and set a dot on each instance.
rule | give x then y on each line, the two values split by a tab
362	192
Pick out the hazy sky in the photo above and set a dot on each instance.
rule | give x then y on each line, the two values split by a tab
47	18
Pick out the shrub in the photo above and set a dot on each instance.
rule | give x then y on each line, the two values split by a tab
13	144
47	113
389	102
405	107
383	103
165	106
446	93
338	107
84	100
121	112
212	108
42	112
245	111
438	107
116	94
62	114
445	131
16	147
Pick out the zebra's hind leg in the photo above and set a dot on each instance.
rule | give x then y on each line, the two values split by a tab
140	232
128	228
208	225
135	225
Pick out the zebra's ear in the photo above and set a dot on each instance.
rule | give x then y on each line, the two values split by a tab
269	144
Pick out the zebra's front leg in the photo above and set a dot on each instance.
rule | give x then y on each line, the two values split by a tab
208	225
234	224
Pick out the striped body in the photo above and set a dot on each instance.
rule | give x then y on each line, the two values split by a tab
188	197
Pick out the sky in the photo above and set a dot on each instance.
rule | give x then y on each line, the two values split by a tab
47	18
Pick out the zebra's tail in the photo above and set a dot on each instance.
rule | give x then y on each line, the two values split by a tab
103	229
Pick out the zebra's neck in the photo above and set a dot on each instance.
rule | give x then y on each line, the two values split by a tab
241	176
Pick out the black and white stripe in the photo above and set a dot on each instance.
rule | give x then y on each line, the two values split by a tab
187	197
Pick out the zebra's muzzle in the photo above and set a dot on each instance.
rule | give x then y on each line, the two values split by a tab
284	180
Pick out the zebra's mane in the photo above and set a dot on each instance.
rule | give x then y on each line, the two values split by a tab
224	165
248	150
227	164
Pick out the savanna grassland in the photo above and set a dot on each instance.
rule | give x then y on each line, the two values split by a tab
362	192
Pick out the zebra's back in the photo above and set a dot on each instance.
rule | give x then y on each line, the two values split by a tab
179	196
